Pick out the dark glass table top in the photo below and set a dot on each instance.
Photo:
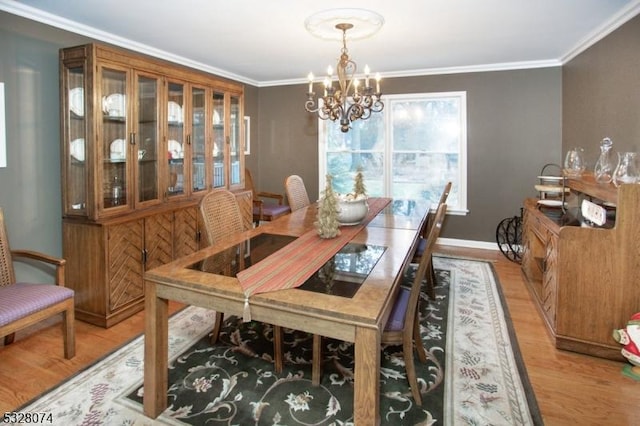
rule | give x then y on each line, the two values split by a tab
342	275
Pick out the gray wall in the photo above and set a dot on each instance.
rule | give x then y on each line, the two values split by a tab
601	94
30	184
513	130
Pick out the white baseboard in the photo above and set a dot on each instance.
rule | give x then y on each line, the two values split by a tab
468	243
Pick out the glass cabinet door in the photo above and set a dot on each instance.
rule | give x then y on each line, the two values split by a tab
75	149
114	138
175	140
147	138
235	144
198	139
218	141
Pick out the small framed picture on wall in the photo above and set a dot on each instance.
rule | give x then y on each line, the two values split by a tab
247	135
3	130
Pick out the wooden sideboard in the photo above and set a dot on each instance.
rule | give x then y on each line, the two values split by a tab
585	279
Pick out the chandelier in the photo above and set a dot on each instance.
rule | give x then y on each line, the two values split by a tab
349	101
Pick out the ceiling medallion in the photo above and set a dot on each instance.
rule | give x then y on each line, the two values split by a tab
364	23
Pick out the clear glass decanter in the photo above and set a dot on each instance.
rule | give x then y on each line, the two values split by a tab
627	170
605	166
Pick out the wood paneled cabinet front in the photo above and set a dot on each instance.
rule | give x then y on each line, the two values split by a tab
110	260
583	278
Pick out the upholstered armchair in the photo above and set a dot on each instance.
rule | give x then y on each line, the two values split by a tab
25	304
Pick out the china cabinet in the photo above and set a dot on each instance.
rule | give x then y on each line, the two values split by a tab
583	278
142	140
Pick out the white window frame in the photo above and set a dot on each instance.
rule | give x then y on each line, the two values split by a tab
461	208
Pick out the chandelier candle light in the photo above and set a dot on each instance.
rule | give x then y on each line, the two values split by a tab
347	102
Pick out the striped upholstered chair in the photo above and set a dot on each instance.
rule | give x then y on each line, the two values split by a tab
25	304
264	210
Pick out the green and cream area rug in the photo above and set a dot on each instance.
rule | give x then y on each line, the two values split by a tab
474	374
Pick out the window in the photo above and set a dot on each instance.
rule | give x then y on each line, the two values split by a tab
407	152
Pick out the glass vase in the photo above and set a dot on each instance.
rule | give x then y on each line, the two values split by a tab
605	166
627	170
574	162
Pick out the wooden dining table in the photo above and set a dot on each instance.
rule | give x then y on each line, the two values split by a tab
357	317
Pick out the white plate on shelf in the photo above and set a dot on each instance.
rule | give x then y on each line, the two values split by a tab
553	178
76	148
76	101
175	148
114	105
118	149
175	112
216	118
550	203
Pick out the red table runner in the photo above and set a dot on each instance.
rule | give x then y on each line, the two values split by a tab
293	264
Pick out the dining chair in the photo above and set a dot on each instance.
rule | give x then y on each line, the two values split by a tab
265	211
296	192
221	217
400	328
426	227
25	304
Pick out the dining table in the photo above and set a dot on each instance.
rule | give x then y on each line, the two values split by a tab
355	308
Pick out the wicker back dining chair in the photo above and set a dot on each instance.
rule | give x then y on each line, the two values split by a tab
426	227
264	210
296	192
221	216
24	304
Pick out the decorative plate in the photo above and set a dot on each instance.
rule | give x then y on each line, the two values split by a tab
76	148
118	149
550	203
76	101
114	105
175	148
175	112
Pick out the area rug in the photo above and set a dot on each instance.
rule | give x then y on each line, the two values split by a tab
474	374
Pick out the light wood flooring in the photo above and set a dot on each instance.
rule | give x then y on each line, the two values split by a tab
571	389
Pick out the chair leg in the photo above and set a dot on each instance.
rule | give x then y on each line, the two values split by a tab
417	339
411	372
217	327
69	332
430	278
277	348
9	338
316	363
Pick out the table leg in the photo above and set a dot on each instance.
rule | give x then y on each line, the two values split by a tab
366	399
156	352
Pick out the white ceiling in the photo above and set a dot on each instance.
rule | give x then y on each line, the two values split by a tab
264	42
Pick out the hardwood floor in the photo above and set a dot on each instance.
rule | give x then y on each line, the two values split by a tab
570	388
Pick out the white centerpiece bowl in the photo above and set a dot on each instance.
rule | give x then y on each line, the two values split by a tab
352	209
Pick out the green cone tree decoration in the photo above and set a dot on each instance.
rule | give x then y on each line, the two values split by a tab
327	223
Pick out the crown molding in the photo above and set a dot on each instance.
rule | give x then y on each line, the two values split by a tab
38	15
626	14
507	66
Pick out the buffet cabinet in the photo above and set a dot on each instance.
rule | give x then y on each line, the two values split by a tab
584	279
142	140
